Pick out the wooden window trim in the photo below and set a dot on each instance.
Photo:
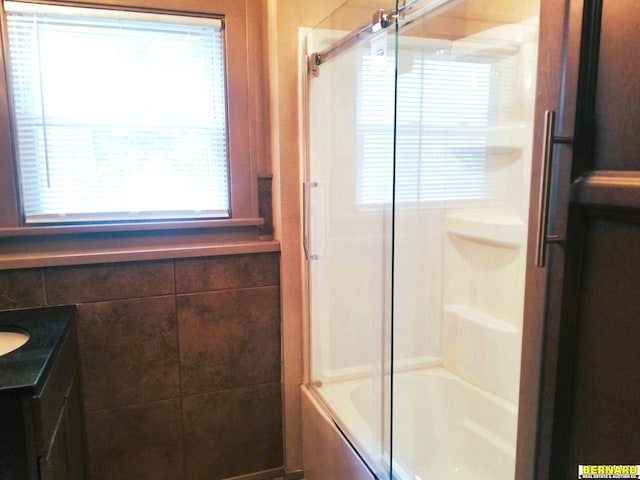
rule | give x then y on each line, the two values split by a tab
245	41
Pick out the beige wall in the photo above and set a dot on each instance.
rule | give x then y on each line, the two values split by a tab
285	18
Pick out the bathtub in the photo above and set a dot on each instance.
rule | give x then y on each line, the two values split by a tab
443	426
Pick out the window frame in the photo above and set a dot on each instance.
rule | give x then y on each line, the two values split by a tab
74	143
248	153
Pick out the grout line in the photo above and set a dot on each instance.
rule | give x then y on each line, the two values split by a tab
179	359
126	299
44	288
128	405
229	289
232	389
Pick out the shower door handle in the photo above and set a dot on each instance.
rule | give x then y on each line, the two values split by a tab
546	179
306	220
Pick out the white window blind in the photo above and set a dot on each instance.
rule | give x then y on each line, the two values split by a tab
443	109
117	115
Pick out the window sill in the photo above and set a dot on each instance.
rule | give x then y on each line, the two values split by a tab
31	247
128	227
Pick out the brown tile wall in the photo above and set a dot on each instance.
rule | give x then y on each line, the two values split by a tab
180	362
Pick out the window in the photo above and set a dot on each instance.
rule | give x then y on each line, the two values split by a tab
117	115
443	110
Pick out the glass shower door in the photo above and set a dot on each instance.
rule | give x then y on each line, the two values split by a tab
465	102
348	228
416	212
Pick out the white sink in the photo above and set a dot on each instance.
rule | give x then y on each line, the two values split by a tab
10	341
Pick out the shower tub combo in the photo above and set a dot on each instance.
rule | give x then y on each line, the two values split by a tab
416	200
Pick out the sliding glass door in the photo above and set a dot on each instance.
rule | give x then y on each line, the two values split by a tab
348	229
464	123
420	130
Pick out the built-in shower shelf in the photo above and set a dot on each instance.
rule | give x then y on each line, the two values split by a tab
464	49
507	142
495	229
500	139
504	152
480	318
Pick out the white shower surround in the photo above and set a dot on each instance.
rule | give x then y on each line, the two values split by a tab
456	392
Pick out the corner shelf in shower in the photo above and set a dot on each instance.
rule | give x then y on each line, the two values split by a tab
504	152
482	349
494	229
507	142
480	318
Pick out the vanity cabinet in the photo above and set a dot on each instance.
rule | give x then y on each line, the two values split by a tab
57	412
41	429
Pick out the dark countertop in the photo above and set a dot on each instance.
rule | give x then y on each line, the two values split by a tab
22	370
